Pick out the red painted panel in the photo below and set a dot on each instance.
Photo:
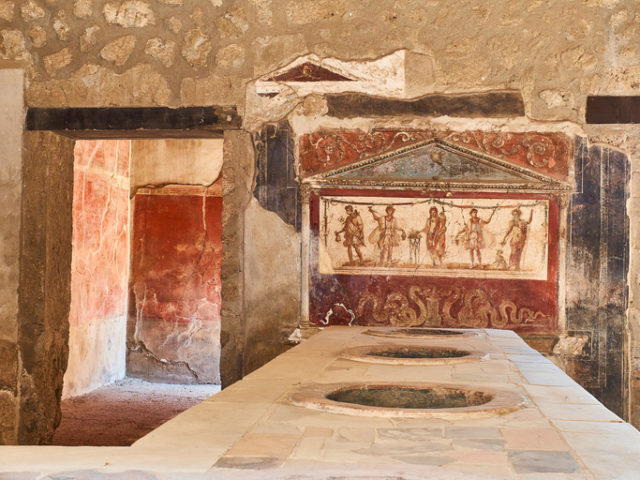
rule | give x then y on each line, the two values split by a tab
100	223
177	254
547	153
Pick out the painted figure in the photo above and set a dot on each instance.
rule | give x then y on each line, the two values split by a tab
472	236
518	231
435	229
386	235
353	229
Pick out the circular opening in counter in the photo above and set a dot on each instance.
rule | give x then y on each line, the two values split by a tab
413	332
408	400
409	397
417	352
412	355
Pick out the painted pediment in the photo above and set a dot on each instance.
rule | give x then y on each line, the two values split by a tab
309	72
434	163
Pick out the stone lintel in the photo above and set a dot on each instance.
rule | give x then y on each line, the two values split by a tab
486	104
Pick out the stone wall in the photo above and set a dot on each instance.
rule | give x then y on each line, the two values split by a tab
139	52
174	298
99	270
45	281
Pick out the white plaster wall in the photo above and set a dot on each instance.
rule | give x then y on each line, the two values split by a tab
175	162
272	288
97	357
11	125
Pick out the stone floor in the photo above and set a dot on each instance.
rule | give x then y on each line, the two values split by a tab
121	413
252	430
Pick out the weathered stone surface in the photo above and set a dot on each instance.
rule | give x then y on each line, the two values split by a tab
233	23
196	48
172	2
9	359
8	415
119	50
130	13
12	45
230	57
161	50
46	260
83	8
57	61
88	38
312	11
237	174
61	26
7	10
264	11
173	24
38	36
31	10
211	89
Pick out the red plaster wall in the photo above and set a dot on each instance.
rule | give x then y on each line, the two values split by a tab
174	309
99	264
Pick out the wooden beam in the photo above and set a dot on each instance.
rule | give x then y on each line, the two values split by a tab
144	122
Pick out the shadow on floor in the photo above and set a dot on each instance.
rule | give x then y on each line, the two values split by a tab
121	413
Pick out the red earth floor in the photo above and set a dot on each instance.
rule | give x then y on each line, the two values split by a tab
120	414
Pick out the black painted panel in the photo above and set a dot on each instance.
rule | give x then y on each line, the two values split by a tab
597	268
490	104
276	188
609	109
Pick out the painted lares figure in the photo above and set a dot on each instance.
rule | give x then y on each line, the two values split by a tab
353	230
386	235
518	231
435	229
473	237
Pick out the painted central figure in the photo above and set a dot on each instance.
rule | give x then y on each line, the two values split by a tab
386	235
473	237
435	229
